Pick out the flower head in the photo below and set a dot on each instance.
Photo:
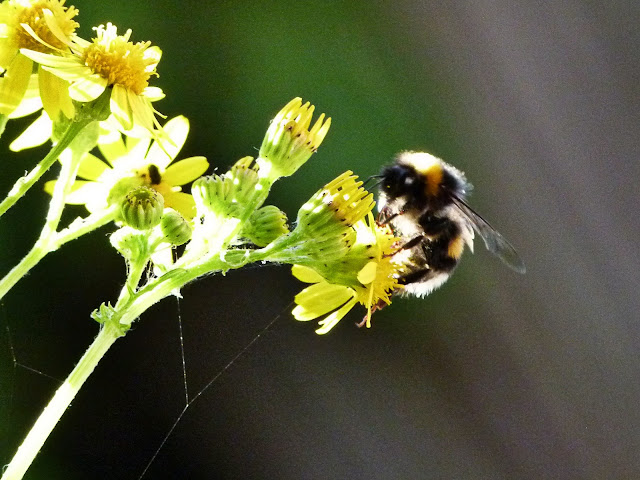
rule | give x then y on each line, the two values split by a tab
325	222
110	61
137	162
324	226
341	202
265	225
366	274
289	142
142	208
43	26
228	194
175	229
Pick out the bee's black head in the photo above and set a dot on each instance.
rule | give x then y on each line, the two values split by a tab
401	180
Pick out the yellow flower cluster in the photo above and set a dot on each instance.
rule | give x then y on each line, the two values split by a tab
336	246
366	274
131	162
71	68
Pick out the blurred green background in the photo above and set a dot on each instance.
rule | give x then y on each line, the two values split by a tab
493	376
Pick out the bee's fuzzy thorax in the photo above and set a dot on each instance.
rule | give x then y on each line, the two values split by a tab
423	199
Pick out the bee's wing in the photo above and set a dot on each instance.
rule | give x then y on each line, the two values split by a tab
494	242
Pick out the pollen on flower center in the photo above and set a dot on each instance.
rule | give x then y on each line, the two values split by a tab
121	62
34	17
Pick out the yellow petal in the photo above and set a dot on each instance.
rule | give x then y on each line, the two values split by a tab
306	274
7	50
49	186
88	88
137	148
177	130
14	83
330	321
181	202
31	101
141	110
153	53
35	134
91	167
120	107
71	73
54	92
111	145
53	25
153	94
368	273
54	61
185	171
81	192
319	299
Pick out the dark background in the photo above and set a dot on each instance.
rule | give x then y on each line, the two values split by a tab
493	376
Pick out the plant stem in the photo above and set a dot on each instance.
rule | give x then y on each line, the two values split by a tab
25	183
48	240
3	123
41	248
80	227
52	413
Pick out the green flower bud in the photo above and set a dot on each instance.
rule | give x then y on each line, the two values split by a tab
324	227
175	228
341	203
243	177
210	194
228	194
119	191
265	225
142	208
289	142
130	243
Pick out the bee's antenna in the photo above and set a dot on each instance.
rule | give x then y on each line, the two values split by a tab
375	185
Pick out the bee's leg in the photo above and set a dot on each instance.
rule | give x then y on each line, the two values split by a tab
378	306
412	243
385	216
406	246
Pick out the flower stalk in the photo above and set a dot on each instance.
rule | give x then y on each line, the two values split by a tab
23	185
61	400
336	245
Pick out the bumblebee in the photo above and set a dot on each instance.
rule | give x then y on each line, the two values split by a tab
423	199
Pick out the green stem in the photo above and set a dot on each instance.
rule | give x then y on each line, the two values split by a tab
136	269
48	241
60	402
51	243
126	312
83	226
56	205
25	183
3	123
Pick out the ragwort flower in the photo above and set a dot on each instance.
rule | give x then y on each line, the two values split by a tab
289	142
43	26
367	274
324	225
137	162
110	61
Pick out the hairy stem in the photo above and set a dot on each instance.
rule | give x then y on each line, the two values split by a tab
60	402
25	183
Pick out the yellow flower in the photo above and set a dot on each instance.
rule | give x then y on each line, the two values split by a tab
22	23
110	61
367	275
289	142
137	162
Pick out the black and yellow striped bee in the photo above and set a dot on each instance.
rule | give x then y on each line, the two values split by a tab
423	199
